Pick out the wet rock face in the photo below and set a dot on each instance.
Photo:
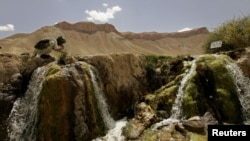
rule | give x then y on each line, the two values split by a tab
144	117
123	78
68	108
55	109
11	88
209	89
5	108
15	72
164	71
68	95
244	63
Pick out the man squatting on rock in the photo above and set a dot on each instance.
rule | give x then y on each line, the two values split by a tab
45	46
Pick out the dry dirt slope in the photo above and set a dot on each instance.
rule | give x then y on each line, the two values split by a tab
86	38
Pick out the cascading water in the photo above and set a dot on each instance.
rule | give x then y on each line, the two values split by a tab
242	84
176	111
101	102
114	134
115	127
23	117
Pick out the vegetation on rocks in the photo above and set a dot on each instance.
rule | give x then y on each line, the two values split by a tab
53	69
154	66
225	91
61	59
210	88
214	86
68	95
234	33
161	70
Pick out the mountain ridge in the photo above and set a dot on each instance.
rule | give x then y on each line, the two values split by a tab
87	38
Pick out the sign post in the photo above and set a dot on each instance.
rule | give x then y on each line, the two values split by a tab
216	44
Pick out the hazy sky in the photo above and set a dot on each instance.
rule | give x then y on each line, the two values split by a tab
26	16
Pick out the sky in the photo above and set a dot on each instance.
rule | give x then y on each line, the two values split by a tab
27	16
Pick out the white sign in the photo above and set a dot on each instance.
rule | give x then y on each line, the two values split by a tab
216	44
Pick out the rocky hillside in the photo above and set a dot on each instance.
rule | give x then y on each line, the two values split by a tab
86	38
141	88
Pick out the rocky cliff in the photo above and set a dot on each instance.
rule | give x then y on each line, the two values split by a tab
142	88
87	27
157	36
68	87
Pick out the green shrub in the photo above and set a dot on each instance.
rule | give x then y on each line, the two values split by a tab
234	33
25	54
61	60
154	65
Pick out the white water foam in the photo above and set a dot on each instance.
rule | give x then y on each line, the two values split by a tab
176	112
242	84
101	103
114	134
23	117
114	127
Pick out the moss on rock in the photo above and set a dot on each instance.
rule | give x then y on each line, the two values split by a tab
62	116
53	69
229	107
226	91
219	88
190	100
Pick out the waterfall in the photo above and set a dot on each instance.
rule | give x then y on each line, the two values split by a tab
115	127
23	116
176	111
101	103
114	134
242	84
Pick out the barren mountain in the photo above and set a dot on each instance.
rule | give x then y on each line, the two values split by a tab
86	38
